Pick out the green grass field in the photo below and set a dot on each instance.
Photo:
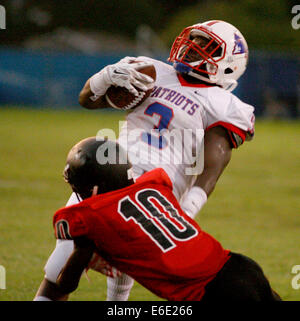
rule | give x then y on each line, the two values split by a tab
253	210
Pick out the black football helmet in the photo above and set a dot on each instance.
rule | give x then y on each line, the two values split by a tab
96	161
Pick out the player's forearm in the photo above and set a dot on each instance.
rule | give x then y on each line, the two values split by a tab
198	194
208	179
49	291
70	275
86	101
68	280
216	157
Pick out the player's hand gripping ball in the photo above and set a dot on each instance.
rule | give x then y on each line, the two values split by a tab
122	98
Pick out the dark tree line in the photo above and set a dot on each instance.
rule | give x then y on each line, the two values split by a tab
29	17
266	23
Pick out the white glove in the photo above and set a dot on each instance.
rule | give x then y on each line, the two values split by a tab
193	201
122	74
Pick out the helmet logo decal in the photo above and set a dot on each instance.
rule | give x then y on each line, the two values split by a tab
239	46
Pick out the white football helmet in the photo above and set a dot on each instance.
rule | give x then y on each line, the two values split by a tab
213	51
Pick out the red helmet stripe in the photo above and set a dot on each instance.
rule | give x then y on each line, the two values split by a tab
212	22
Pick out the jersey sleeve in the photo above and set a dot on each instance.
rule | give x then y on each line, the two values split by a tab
234	115
68	224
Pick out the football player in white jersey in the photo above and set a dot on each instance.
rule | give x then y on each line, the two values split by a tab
193	94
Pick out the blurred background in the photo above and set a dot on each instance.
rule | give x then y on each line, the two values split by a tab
50	48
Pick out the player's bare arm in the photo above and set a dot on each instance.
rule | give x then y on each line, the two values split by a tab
69	277
86	101
217	154
49	291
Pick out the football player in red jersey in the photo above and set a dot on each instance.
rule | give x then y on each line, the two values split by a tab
140	228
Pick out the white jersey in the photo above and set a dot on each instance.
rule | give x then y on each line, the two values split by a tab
167	129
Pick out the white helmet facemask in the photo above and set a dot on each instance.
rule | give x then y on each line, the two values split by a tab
214	52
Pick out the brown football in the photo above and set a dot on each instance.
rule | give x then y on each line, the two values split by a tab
121	98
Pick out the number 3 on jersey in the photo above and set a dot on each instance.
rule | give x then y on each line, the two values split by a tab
162	230
166	115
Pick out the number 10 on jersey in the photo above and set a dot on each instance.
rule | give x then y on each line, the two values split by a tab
161	229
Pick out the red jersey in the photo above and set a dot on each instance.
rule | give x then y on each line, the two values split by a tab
142	231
